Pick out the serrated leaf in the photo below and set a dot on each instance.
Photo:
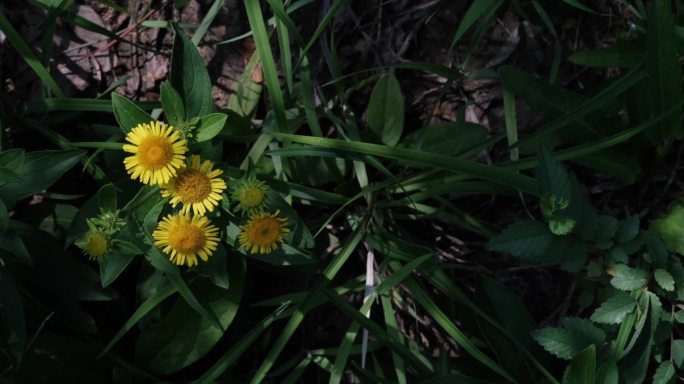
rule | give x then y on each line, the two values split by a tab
552	177
614	310
386	110
670	228
527	240
678	353
585	328
127	114
210	126
189	76
664	279
561	226
627	279
582	369
562	343
627	229
664	374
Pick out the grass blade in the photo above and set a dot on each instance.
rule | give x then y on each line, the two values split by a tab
23	49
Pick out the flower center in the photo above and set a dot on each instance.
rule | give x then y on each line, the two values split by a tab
252	196
96	245
186	238
193	185
154	152
266	230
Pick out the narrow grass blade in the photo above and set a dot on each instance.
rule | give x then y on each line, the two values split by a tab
328	274
27	54
146	307
511	124
494	174
256	22
477	9
393	330
206	21
82	105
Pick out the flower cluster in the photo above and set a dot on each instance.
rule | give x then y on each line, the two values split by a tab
159	158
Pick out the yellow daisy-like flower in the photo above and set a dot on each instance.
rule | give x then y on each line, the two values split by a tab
184	237
252	196
263	232
197	186
95	245
158	152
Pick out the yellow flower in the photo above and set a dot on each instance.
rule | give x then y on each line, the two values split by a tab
184	237
197	187
95	245
263	232
252	196
158	152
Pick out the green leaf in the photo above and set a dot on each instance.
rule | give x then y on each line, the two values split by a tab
113	265
671	227
562	343
386	110
553	178
216	268
527	240
127	114
627	279
247	90
4	217
678	353
585	328
445	139
477	9
679	317
664	73
627	229
664	279
614	310
665	373
608	373
582	369
183	336
41	170
210	126
106	198
12	316
656	250
189	76
172	103
626	55
561	226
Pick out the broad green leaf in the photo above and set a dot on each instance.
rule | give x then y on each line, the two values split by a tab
665	374
656	250
608	373
582	369
561	226
664	72
671	228
127	114
216	268
446	139
627	229
12	317
386	110
183	336
561	342
113	265
678	353
553	178
626	55
627	279
586	328
210	126
664	279
189	76
527	240
4	217
41	169
172	103
106	198
614	310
